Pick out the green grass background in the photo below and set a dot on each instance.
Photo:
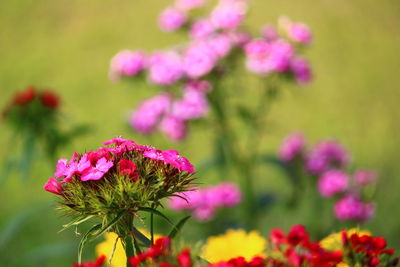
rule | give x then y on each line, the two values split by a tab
67	45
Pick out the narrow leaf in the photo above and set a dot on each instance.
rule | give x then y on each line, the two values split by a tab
77	221
84	239
177	228
110	224
156	212
141	237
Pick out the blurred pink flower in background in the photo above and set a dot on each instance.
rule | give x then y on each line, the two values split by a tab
365	177
351	208
229	14
127	63
193	105
199	59
173	127
204	202
301	70
202	28
325	155
165	68
269	32
333	182
300	33
172	19
292	147
146	117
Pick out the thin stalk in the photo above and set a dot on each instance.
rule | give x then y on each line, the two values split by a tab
152	226
113	250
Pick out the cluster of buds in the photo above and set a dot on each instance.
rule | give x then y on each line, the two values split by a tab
217	42
119	177
327	162
203	203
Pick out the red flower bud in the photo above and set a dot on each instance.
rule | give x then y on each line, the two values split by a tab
49	99
25	97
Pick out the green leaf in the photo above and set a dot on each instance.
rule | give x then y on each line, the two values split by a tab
177	228
84	239
141	237
156	212
110	224
77	221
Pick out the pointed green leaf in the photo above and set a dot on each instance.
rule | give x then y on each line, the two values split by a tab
110	224
177	228
156	212
77	221
141	237
84	239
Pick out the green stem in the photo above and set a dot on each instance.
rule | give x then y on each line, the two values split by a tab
152	227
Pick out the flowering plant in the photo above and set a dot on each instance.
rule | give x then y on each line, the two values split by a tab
206	75
326	166
115	183
34	118
354	248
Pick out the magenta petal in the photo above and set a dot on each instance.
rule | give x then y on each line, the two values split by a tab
103	165
61	168
92	175
53	186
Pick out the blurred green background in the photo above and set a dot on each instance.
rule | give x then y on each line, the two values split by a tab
67	45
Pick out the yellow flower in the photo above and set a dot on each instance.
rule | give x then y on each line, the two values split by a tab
119	258
232	244
333	242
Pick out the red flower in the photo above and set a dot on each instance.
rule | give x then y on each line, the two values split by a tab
297	235
98	263
127	167
184	258
49	99
25	97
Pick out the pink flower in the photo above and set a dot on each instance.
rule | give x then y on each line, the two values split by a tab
269	33
155	154
301	70
221	44
128	167
365	177
182	164
228	195
200	58
53	186
265	57
292	147
189	4
145	118
173	127
165	68
204	213
172	19
229	15
350	208
202	86
178	203
127	63
299	33
202	28
333	182
239	38
193	105
327	154
97	172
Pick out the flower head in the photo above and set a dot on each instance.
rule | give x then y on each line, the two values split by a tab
165	68
127	63
49	99
333	182
292	147
246	245
351	208
117	178
172	19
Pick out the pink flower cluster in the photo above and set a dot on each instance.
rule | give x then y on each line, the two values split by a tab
213	40
327	161
203	203
94	165
171	116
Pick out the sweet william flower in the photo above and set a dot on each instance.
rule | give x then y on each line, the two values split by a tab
202	28
49	99
98	171
127	63
229	15
301	70
53	186
165	68
292	147
173	127
128	167
333	182
300	33
172	19
181	163
25	97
